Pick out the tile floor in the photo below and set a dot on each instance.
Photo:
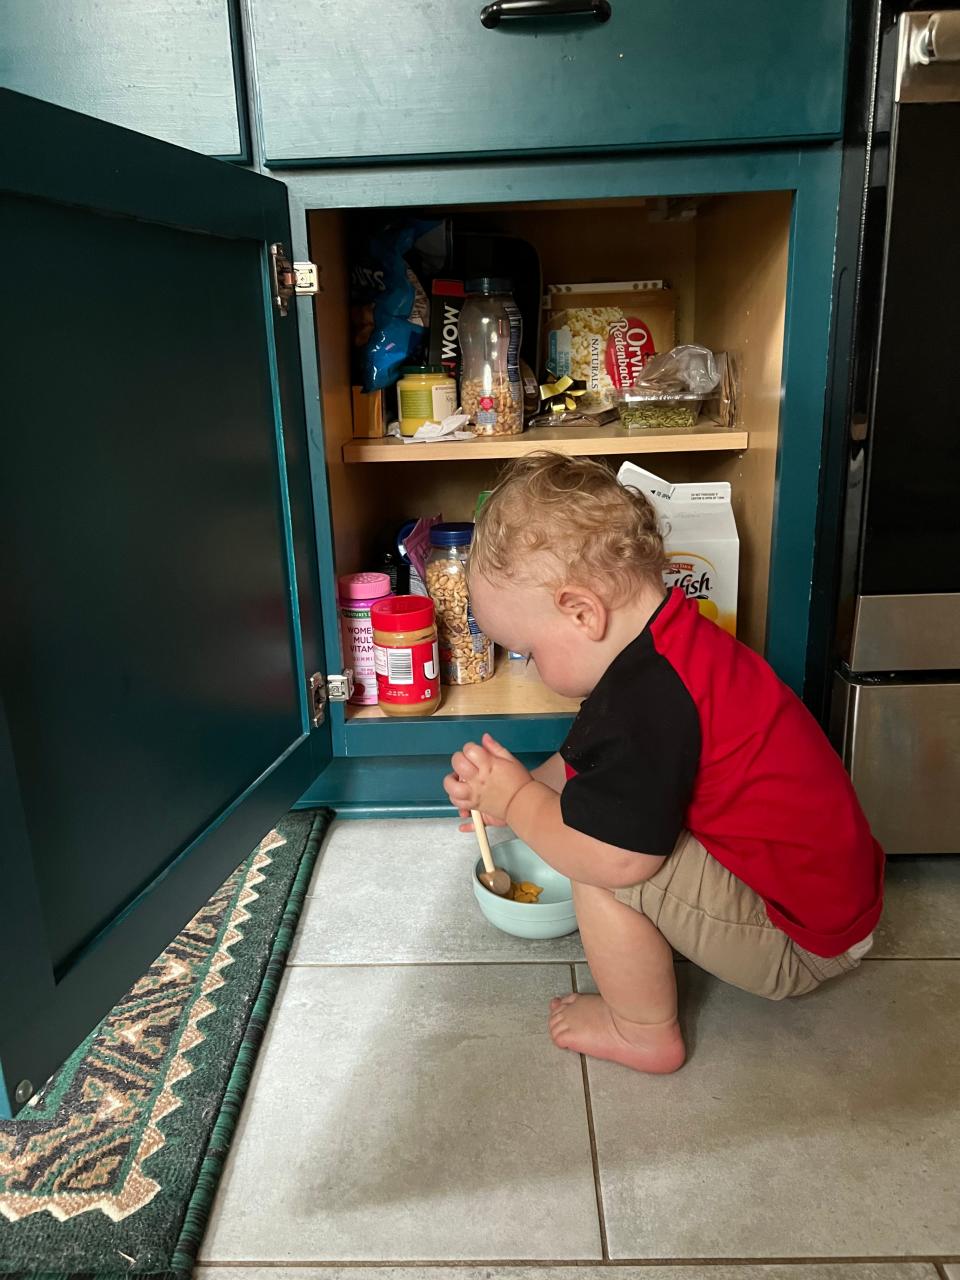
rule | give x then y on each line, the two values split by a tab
409	1118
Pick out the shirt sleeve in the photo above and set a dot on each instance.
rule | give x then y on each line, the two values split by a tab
635	763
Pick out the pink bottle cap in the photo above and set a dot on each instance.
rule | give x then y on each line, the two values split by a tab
364	586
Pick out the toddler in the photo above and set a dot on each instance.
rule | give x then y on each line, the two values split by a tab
695	803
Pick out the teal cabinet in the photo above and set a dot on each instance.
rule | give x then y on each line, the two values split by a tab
360	81
157	555
754	266
171	69
180	489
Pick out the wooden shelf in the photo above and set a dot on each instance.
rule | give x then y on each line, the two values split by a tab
515	689
706	437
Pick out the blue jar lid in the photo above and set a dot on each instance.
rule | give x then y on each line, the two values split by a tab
452	535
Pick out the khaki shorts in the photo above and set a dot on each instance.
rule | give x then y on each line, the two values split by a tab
715	920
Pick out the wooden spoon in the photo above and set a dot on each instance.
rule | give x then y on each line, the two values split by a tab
493	878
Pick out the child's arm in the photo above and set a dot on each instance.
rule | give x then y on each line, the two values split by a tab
552	772
534	814
490	779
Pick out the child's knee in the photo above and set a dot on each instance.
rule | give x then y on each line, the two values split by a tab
589	892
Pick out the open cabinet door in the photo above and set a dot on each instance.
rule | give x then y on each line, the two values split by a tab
157	555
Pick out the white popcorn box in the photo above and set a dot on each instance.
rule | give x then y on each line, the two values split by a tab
700	537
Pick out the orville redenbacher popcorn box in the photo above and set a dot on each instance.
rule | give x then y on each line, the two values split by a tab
700	536
604	334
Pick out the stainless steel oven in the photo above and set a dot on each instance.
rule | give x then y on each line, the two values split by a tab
896	695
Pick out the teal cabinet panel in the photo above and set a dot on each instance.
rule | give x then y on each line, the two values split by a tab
388	786
170	68
158	559
446	734
350	81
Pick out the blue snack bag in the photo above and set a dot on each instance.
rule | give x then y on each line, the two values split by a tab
391	310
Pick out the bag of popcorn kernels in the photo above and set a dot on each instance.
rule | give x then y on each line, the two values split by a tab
604	334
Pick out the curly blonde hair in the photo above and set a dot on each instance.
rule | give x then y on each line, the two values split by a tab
598	532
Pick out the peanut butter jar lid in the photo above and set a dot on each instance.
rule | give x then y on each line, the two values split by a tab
403	613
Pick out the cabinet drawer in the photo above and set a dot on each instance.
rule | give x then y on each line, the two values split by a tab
901	743
167	69
355	79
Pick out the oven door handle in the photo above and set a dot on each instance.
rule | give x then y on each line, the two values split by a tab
938	41
928	57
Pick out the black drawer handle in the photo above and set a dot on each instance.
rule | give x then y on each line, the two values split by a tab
491	14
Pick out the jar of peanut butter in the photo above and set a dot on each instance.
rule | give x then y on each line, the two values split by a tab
406	655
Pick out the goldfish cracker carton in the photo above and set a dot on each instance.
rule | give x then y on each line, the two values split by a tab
700	536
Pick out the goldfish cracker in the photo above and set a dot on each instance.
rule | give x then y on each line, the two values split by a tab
524	891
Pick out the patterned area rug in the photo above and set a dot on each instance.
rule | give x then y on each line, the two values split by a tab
112	1169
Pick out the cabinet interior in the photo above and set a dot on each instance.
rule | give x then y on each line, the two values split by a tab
727	265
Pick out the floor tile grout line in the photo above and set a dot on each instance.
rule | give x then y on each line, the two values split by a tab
934	1260
940	1270
592	1132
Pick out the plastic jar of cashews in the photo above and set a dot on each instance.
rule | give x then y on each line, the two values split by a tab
491	330
466	654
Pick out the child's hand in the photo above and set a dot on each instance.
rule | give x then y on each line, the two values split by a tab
485	777
488	821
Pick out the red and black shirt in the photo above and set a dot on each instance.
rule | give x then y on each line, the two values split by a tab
688	728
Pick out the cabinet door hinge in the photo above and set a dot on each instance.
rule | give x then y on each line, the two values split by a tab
335	689
290	278
317	691
339	688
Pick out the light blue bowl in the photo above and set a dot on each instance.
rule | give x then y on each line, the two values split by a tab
552	917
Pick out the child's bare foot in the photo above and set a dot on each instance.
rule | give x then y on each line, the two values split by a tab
586	1024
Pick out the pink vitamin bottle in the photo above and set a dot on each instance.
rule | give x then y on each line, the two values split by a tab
358	593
